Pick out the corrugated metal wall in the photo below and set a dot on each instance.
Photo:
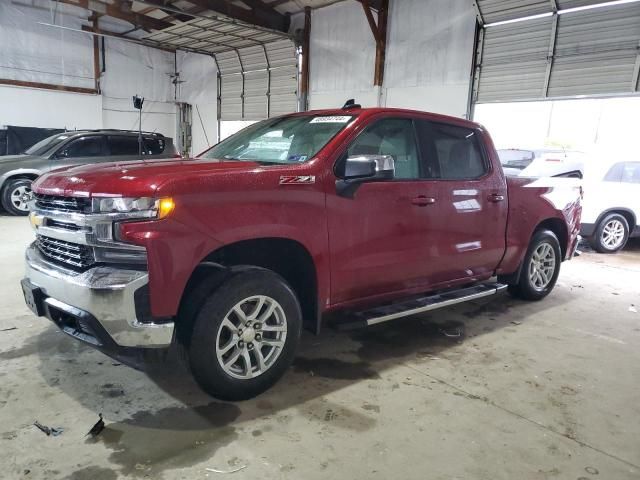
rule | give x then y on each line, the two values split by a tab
514	60
584	52
258	82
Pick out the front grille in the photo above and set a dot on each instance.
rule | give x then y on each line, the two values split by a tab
68	253
62	204
63	225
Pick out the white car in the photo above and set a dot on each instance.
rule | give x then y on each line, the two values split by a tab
542	162
611	207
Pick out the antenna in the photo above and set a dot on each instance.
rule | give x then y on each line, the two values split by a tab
349	104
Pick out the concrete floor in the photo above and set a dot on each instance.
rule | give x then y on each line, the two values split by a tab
529	390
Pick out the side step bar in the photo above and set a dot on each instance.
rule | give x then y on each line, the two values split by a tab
420	305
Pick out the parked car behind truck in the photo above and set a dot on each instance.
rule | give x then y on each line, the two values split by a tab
375	213
542	162
17	172
612	207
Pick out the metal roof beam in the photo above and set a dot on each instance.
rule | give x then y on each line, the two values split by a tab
259	13
124	13
228	21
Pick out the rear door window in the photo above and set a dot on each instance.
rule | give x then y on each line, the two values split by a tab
153	146
456	151
123	145
615	173
83	147
631	172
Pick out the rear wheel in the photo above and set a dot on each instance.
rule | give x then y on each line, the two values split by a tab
540	268
611	234
245	335
16	195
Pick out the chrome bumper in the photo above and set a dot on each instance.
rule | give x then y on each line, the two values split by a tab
102	294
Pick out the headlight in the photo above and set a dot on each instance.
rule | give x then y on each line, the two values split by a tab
144	207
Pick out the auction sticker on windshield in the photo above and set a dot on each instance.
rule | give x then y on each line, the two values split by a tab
336	119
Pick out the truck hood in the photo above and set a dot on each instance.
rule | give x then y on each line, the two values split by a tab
132	178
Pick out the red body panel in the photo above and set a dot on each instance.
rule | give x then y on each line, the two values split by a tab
378	245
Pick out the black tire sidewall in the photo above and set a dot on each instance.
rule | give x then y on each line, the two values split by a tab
596	241
9	187
524	289
202	349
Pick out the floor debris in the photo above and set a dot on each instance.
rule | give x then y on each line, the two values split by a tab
452	333
8	329
516	322
97	428
49	431
214	470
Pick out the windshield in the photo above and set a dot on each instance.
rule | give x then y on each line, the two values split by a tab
44	145
280	140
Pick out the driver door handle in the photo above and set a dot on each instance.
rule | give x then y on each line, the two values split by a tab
495	198
422	201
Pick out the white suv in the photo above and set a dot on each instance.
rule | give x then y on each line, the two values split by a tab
611	207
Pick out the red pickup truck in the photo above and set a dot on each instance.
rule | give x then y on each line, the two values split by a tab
376	213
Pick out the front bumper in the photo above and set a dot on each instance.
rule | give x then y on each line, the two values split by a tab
97	306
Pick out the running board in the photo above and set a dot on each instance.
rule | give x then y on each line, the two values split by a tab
420	305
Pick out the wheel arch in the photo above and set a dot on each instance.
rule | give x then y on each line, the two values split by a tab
555	225
284	256
559	228
18	175
628	214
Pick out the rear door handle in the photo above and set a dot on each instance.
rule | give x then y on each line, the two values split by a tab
422	201
495	198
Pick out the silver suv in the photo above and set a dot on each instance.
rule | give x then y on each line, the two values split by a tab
69	149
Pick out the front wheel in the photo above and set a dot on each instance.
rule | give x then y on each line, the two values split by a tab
540	268
611	234
16	195
245	335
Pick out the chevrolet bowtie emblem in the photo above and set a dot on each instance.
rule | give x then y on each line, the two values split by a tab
36	220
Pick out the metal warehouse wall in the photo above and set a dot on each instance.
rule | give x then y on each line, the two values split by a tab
428	62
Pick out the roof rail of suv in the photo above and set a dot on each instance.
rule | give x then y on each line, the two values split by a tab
108	130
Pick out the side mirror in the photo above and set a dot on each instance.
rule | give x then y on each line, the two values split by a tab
369	167
364	168
62	154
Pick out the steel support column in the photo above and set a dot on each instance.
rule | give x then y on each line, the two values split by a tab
550	54
303	97
635	80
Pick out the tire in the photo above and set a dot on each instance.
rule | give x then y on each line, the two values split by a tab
538	276
13	193
611	234
218	335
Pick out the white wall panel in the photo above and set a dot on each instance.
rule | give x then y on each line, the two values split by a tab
428	61
342	54
199	74
35	53
33	107
157	117
132	69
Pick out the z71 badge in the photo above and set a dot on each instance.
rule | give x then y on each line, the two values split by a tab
297	179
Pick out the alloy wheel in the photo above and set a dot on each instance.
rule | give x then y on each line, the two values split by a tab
20	198
613	234
542	266
251	337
